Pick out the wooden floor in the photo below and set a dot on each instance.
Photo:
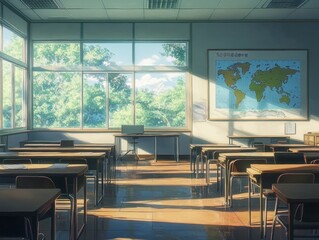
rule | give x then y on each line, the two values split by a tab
163	200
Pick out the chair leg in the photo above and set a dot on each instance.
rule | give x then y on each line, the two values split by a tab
72	209
249	201
221	181
272	233
265	215
207	171
217	176
231	179
197	165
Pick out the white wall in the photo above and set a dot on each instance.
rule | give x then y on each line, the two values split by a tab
272	35
204	36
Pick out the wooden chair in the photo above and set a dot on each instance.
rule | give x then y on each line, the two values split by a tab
17	161
306	218
15	227
10	181
89	174
285	178
42	182
289	158
238	169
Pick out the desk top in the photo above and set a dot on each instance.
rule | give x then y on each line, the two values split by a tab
247	155
258	136
52	154
229	149
148	135
61	149
304	149
291	145
66	170
207	145
76	145
274	168
297	192
25	201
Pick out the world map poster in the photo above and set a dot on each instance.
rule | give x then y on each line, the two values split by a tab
258	84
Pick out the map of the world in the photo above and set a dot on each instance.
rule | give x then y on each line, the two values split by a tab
258	88
258	84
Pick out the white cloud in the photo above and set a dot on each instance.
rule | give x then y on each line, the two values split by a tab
149	61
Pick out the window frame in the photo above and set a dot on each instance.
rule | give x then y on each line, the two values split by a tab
127	69
14	63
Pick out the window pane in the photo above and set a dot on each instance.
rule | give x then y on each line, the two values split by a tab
13	44
7	94
120	99
94	100
161	99
56	99
56	54
18	78
160	54
107	54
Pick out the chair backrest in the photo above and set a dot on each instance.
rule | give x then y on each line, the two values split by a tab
308	213
73	160
315	161
67	143
289	158
12	227
17	161
260	146
241	165
132	129
34	182
296	178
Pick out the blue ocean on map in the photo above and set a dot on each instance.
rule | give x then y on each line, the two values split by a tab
271	97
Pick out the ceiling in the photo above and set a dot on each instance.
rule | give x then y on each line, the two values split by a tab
186	10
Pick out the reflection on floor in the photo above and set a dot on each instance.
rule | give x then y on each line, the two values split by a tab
163	200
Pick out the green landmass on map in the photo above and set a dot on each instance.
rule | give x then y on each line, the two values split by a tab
240	96
273	78
232	73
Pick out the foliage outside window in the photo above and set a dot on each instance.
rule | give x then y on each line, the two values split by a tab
13	73
110	87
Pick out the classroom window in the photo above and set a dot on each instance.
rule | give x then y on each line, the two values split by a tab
116	83
12	79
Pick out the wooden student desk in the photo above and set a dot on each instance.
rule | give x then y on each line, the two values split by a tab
196	149
264	175
155	136
216	151
275	147
224	160
294	194
251	138
58	173
202	150
305	149
30	203
95	162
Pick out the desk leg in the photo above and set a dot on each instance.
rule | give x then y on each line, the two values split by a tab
261	210
118	148
155	148
53	221
291	214
75	206
99	167
249	201
191	158
177	149
35	227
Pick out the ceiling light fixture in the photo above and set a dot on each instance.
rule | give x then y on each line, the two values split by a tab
284	3
162	4
42	4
